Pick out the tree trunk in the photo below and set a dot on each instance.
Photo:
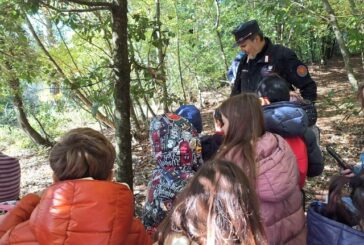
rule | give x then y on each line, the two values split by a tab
217	23
145	99
121	69
344	51
134	117
132	54
327	46
362	57
313	48
356	13
22	117
161	55
142	114
179	57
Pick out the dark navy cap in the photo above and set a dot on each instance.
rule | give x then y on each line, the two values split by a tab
245	30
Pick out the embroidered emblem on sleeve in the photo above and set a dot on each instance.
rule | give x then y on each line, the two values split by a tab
301	71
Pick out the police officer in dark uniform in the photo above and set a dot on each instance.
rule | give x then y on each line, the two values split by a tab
263	58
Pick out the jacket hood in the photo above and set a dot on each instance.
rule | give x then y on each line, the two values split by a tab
277	168
285	118
83	212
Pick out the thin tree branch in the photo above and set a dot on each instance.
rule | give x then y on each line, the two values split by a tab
46	135
90	3
311	11
68	51
96	46
97	14
31	28
78	93
6	54
73	10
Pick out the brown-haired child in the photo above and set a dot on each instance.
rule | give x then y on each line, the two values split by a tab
211	143
218	206
83	206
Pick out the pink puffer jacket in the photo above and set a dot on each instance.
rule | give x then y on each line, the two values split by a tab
278	190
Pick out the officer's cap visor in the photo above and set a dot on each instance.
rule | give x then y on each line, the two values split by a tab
242	39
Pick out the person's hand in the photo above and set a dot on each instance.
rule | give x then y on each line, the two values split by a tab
294	96
264	101
347	173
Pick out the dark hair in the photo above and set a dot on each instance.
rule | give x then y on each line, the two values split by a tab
81	153
360	96
210	145
274	87
217	116
246	125
336	209
218	206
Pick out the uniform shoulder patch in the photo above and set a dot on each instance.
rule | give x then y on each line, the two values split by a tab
301	70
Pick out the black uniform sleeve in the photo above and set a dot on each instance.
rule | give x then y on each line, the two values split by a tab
236	88
296	73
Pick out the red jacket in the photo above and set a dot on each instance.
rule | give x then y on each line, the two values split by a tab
75	212
299	149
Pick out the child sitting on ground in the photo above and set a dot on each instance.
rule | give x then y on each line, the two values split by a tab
176	150
83	206
270	165
289	120
211	143
9	182
218	206
341	220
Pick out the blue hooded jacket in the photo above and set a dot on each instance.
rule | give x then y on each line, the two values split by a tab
285	118
322	230
288	119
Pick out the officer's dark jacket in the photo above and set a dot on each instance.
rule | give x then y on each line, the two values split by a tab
274	59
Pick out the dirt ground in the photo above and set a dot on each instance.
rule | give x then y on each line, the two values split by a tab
340	125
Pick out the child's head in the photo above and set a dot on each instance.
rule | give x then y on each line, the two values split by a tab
243	119
274	88
192	114
218	206
338	209
243	124
81	153
218	119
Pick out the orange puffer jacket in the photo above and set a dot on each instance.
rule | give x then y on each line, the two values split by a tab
75	212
